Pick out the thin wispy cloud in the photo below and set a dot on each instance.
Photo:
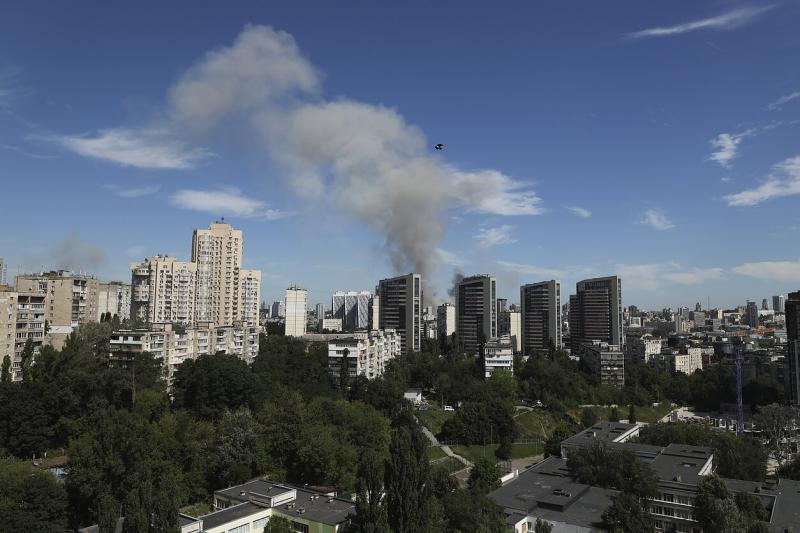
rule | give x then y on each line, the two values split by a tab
145	149
580	211
726	146
657	219
134	192
491	237
727	21
653	276
777	104
24	152
533	270
784	180
449	258
226	202
779	271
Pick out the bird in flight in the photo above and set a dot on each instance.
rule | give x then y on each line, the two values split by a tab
439	147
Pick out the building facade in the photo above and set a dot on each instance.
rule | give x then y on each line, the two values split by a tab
352	308
792	309
296	311
446	321
476	312
778	303
605	361
114	297
163	289
686	363
8	326
498	355
509	323
751	315
541	316
400	309
367	353
595	312
218	254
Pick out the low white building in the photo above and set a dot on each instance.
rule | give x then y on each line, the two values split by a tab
498	354
644	348
174	345
688	362
330	324
367	353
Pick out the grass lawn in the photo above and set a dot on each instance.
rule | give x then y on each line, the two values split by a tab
434	452
450	464
648	414
198	509
530	422
518	451
434	418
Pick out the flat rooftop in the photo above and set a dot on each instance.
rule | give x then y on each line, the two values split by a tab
604	431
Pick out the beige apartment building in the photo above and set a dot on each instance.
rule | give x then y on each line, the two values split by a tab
163	290
8	323
114	297
249	296
22	317
69	300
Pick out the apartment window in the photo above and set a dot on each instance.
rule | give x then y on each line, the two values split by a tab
241	529
300	528
259	525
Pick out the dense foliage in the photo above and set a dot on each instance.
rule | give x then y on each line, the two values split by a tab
716	509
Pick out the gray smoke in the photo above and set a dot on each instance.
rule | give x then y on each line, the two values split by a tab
70	254
457	277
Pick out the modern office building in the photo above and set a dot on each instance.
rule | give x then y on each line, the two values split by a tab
278	310
778	303
751	314
498	355
352	308
114	298
792	309
476	312
163	290
400	309
541	316
502	306
296	311
70	300
225	291
596	312
446	321
367	353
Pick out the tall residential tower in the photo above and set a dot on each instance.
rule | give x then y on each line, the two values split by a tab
541	316
400	309
476	312
595	312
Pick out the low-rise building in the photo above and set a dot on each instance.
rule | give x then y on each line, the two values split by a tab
330	324
367	354
498	354
643	348
687	363
247	508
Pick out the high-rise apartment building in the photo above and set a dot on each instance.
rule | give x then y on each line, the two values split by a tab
792	309
476	312
764	304
296	311
446	321
320	311
8	324
400	309
114	297
70	300
278	310
225	292
778	304
541	316
374	312
352	308
163	290
22	318
596	312
751	314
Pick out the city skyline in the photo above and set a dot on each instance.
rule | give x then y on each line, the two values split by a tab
685	194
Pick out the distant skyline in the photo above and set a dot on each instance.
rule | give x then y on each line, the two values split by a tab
654	141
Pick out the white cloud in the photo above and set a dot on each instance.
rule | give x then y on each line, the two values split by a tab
147	149
783	100
784	180
726	146
533	270
491	192
727	21
19	150
135	192
780	271
653	276
490	237
225	202
580	211
657	219
449	258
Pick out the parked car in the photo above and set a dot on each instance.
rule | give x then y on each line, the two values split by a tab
449	408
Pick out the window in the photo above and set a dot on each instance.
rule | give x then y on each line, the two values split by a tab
259	525
300	528
245	528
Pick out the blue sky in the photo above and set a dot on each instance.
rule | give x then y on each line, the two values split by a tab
659	141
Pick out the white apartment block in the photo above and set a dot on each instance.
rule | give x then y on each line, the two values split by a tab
218	254
687	363
644	349
22	317
249	296
510	323
498	354
367	353
352	308
163	290
296	309
114	297
329	324
175	345
446	320
8	324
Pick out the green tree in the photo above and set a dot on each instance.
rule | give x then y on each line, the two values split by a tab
628	514
371	514
31	501
614	415
484	476
210	384
278	524
239	449
27	359
778	424
611	468
588	417
5	372
542	526
406	481
631	414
